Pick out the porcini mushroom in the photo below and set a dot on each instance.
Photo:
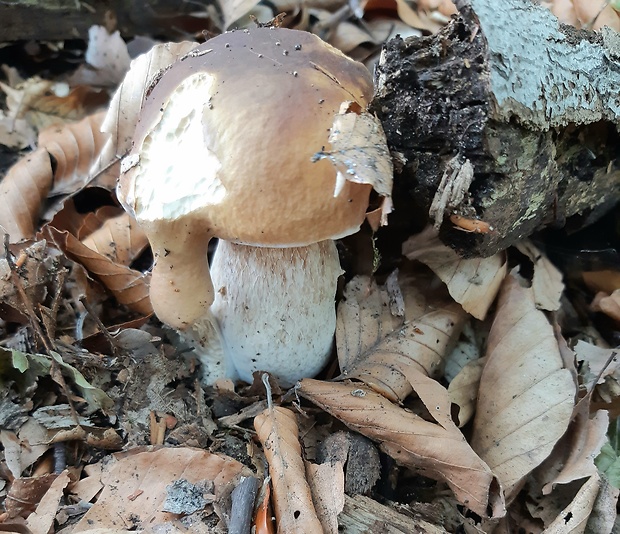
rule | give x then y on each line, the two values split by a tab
259	138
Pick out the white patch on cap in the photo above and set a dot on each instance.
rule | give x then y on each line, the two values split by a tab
177	172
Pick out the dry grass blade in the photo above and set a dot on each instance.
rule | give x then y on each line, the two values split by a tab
436	450
129	287
526	396
278	432
124	109
473	283
374	346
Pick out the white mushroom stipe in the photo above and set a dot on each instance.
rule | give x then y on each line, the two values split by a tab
275	308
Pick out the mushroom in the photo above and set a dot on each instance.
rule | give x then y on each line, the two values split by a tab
259	138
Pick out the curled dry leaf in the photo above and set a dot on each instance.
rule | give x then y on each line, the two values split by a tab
41	520
574	518
73	148
278	432
129	287
22	191
359	153
124	110
547	282
374	345
327	486
526	395
608	304
473	283
463	390
434	449
583	441
135	486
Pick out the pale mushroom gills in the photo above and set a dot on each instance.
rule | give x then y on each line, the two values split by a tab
240	140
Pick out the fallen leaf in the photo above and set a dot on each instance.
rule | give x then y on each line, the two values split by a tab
233	10
603	515
608	304
25	494
145	475
600	363
526	396
605	281
434	449
41	520
24	447
473	283
463	390
326	482
359	153
547	282
278	432
373	344
573	519
124	110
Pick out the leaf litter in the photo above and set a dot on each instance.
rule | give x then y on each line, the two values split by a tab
433	396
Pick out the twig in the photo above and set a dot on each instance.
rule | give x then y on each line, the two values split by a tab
100	324
243	497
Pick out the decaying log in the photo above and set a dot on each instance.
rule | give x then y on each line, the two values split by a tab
505	116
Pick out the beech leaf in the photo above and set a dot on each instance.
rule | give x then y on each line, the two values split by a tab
278	432
526	395
547	282
374	345
473	283
434	449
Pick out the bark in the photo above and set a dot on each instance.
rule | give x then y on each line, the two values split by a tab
531	104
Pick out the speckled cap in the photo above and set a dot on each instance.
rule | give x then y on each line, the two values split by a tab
224	148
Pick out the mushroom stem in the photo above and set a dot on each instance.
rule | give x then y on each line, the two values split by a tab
275	308
181	289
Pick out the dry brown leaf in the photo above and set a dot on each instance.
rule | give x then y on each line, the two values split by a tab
463	390
600	363
526	396
583	443
605	281
373	344
573	519
360	155
25	494
129	287
119	238
473	283
416	19
327	486
434	449
24	448
41	520
278	432
547	282
135	486
124	110
233	10
596	14
22	191
608	304
604	515
16	133
74	147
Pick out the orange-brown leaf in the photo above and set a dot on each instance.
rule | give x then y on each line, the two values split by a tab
278	431
435	449
374	346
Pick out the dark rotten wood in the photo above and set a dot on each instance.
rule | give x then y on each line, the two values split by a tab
533	105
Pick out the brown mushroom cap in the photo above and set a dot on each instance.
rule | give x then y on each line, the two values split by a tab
224	147
266	99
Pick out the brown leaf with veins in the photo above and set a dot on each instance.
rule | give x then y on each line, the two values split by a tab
436	449
374	345
278	432
124	109
104	243
73	148
526	395
136	486
473	283
547	282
